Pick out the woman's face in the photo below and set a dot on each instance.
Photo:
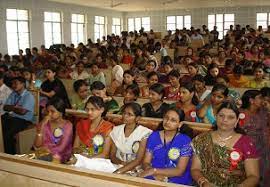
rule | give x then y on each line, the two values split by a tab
199	85
129	96
208	59
100	93
150	67
258	73
154	96
189	52
93	112
83	92
192	71
128	79
167	69
257	101
174	81
94	69
128	116
27	75
226	119
171	121
217	97
53	112
80	68
185	95
214	72
49	74
152	80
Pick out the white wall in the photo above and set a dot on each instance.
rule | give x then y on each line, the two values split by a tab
243	16
199	16
38	7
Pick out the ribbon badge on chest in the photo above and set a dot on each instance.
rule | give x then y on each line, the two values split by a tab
98	141
57	134
174	153
135	146
242	117
193	116
235	158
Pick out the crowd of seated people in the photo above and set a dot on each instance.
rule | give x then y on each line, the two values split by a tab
203	86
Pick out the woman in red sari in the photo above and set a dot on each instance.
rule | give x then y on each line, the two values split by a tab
92	134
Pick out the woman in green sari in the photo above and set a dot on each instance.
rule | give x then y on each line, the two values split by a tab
225	157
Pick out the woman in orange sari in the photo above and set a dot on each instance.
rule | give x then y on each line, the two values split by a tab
92	134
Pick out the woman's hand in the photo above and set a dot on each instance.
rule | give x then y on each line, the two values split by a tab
147	172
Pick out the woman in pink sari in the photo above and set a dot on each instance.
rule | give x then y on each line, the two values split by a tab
54	134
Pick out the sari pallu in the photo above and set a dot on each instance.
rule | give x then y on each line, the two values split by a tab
215	160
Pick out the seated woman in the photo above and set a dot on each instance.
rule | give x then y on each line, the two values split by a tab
255	121
96	74
188	101
208	111
225	157
193	70
79	72
131	94
98	89
237	79
129	78
168	152
54	133
168	67
152	78
156	108
172	91
213	71
82	94
129	140
53	87
259	80
92	134
200	89
31	81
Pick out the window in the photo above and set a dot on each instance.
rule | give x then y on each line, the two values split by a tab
138	23
116	26
263	19
52	28
17	27
77	28
222	21
99	27
178	22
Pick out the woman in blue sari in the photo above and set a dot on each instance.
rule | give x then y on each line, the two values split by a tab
168	152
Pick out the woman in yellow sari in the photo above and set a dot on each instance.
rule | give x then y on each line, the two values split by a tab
225	157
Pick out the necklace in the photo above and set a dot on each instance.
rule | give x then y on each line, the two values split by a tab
222	141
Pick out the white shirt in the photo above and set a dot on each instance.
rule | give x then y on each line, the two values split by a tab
75	76
127	147
4	93
117	73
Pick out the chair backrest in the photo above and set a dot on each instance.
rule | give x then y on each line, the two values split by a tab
36	94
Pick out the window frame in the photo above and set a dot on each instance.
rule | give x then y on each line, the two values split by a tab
77	24
116	27
137	26
99	25
180	22
52	25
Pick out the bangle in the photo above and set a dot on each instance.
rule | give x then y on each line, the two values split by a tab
201	181
39	134
155	170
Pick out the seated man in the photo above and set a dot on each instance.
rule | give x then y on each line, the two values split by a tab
19	114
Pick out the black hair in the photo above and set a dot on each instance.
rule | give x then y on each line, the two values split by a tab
96	101
220	87
97	85
191	88
93	64
129	72
229	62
212	66
232	106
134	88
58	104
52	68
153	73
150	61
79	83
20	79
137	109
158	88
249	94
265	91
2	75
195	65
79	62
185	129
199	78
27	70
3	66
174	73
238	69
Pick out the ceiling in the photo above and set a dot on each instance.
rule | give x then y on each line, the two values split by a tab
146	5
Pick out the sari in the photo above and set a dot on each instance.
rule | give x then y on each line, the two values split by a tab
60	146
88	137
215	160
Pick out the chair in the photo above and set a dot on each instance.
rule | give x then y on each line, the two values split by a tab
26	137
